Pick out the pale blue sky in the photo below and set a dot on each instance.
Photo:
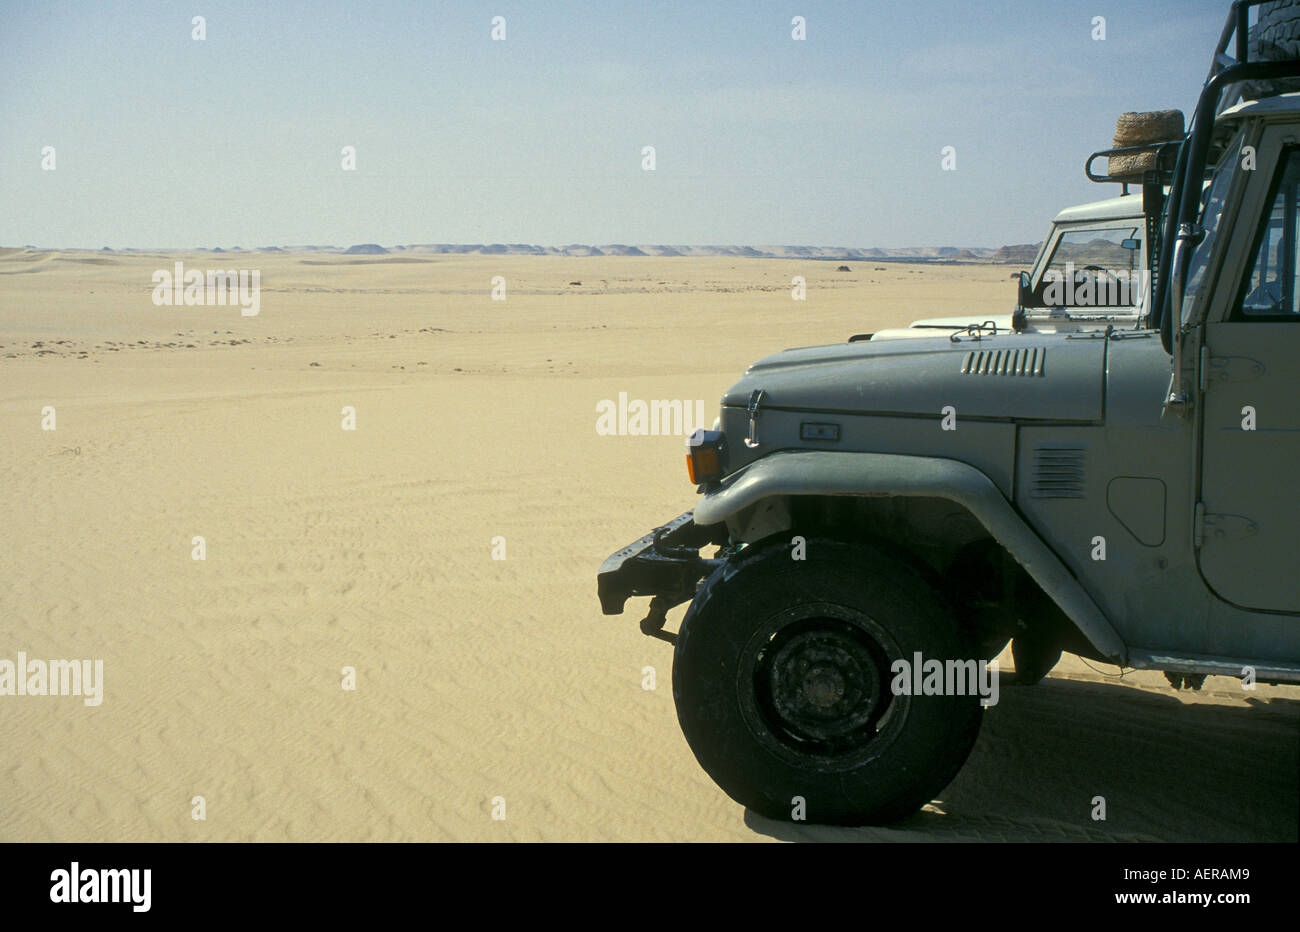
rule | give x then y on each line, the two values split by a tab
162	141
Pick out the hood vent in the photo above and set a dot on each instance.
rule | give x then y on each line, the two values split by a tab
1058	472
1030	361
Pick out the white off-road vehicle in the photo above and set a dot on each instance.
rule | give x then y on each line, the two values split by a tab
1094	269
1088	243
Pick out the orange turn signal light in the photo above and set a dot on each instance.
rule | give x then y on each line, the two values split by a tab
703	464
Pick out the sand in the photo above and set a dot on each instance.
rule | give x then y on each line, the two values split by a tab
476	679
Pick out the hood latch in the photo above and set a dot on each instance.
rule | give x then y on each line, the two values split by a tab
755	399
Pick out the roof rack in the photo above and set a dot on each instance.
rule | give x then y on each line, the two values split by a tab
1166	154
1238	24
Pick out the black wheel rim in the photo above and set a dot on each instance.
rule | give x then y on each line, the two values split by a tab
814	684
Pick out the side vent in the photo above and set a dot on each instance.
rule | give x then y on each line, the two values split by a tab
1031	361
1058	472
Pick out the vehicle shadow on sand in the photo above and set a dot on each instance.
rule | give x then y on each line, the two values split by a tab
1205	770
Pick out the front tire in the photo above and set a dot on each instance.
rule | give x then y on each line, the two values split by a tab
782	681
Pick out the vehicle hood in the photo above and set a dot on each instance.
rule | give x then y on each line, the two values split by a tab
1008	377
939	326
961	323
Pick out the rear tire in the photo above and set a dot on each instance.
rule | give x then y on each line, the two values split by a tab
782	680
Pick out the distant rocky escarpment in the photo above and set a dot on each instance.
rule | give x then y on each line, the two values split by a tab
840	253
1019	254
1024	254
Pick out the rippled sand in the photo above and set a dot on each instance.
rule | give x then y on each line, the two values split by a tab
476	678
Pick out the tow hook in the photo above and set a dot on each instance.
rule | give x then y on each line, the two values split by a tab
672	553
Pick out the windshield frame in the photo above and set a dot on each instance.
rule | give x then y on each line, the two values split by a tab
1203	265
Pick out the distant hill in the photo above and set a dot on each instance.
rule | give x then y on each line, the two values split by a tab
366	249
1024	254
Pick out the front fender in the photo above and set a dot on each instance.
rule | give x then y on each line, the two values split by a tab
888	475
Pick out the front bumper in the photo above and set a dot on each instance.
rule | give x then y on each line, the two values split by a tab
664	563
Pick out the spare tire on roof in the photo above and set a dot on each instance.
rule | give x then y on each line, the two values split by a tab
1277	34
1142	129
1274	37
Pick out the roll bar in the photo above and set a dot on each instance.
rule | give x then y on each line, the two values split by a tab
1185	193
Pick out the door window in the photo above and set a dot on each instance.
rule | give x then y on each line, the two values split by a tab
1270	289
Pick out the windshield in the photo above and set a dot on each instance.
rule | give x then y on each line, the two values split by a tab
1097	266
1211	212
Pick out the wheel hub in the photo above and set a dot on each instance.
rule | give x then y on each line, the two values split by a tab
823	683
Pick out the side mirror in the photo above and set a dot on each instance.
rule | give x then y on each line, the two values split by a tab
1130	244
1024	294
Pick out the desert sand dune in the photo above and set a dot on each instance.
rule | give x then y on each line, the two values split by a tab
476	678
